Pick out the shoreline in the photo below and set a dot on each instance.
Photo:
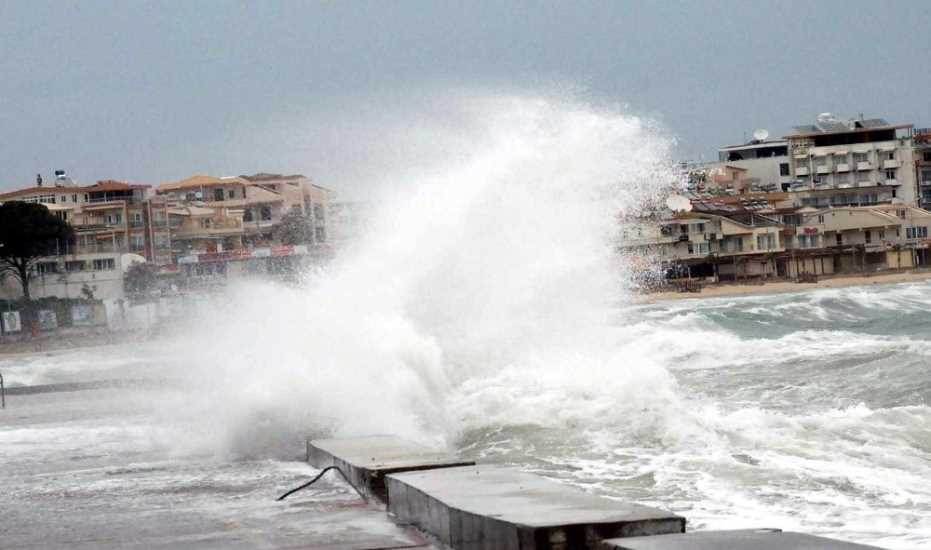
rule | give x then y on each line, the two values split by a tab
721	290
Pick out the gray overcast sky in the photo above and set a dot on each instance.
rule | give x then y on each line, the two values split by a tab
156	91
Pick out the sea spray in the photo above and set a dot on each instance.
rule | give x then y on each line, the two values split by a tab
485	291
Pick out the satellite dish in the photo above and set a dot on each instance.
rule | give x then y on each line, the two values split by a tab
678	203
760	134
825	117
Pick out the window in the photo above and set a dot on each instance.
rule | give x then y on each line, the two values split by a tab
205	223
863	177
114	219
104	264
320	234
868	236
218	194
890	155
783	168
840	159
820	218
890	174
882	234
839	239
266	213
161	241
231	194
74	198
803	241
63	199
247	215
138	242
900	213
916	232
791	219
190	196
700	228
926	157
861	157
74	266
47	267
842	178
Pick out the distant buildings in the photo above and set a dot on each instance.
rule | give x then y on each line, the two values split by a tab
833	197
198	231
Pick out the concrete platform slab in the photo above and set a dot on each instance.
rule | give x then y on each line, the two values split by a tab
367	460
748	539
501	508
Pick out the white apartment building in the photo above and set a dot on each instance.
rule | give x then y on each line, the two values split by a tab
861	161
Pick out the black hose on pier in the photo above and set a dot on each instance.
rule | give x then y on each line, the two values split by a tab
317	477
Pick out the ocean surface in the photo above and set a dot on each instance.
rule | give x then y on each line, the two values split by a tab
808	411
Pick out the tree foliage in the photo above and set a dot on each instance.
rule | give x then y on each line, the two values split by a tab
140	278
28	231
295	228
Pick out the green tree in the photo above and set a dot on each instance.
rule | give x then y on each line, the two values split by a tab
141	277
295	228
28	231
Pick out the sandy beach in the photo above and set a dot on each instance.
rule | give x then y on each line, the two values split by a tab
781	286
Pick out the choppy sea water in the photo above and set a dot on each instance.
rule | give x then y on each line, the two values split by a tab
804	411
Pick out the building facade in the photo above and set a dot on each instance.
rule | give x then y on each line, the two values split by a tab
114	222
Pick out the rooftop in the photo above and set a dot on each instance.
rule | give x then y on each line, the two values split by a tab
827	124
197	181
100	186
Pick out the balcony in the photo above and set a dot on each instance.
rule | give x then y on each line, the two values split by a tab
866	184
822	169
802	171
893	182
865	165
845	185
889	164
824	185
842	167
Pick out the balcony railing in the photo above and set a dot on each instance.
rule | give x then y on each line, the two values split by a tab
864	165
802	171
842	167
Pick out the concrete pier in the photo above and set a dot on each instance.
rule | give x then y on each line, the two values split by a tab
749	539
367	460
500	508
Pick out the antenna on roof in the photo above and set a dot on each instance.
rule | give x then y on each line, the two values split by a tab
760	134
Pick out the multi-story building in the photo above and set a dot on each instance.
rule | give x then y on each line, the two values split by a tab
110	219
861	161
857	162
765	164
922	154
720	241
222	226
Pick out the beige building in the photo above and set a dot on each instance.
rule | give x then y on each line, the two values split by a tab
224	226
736	245
113	222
